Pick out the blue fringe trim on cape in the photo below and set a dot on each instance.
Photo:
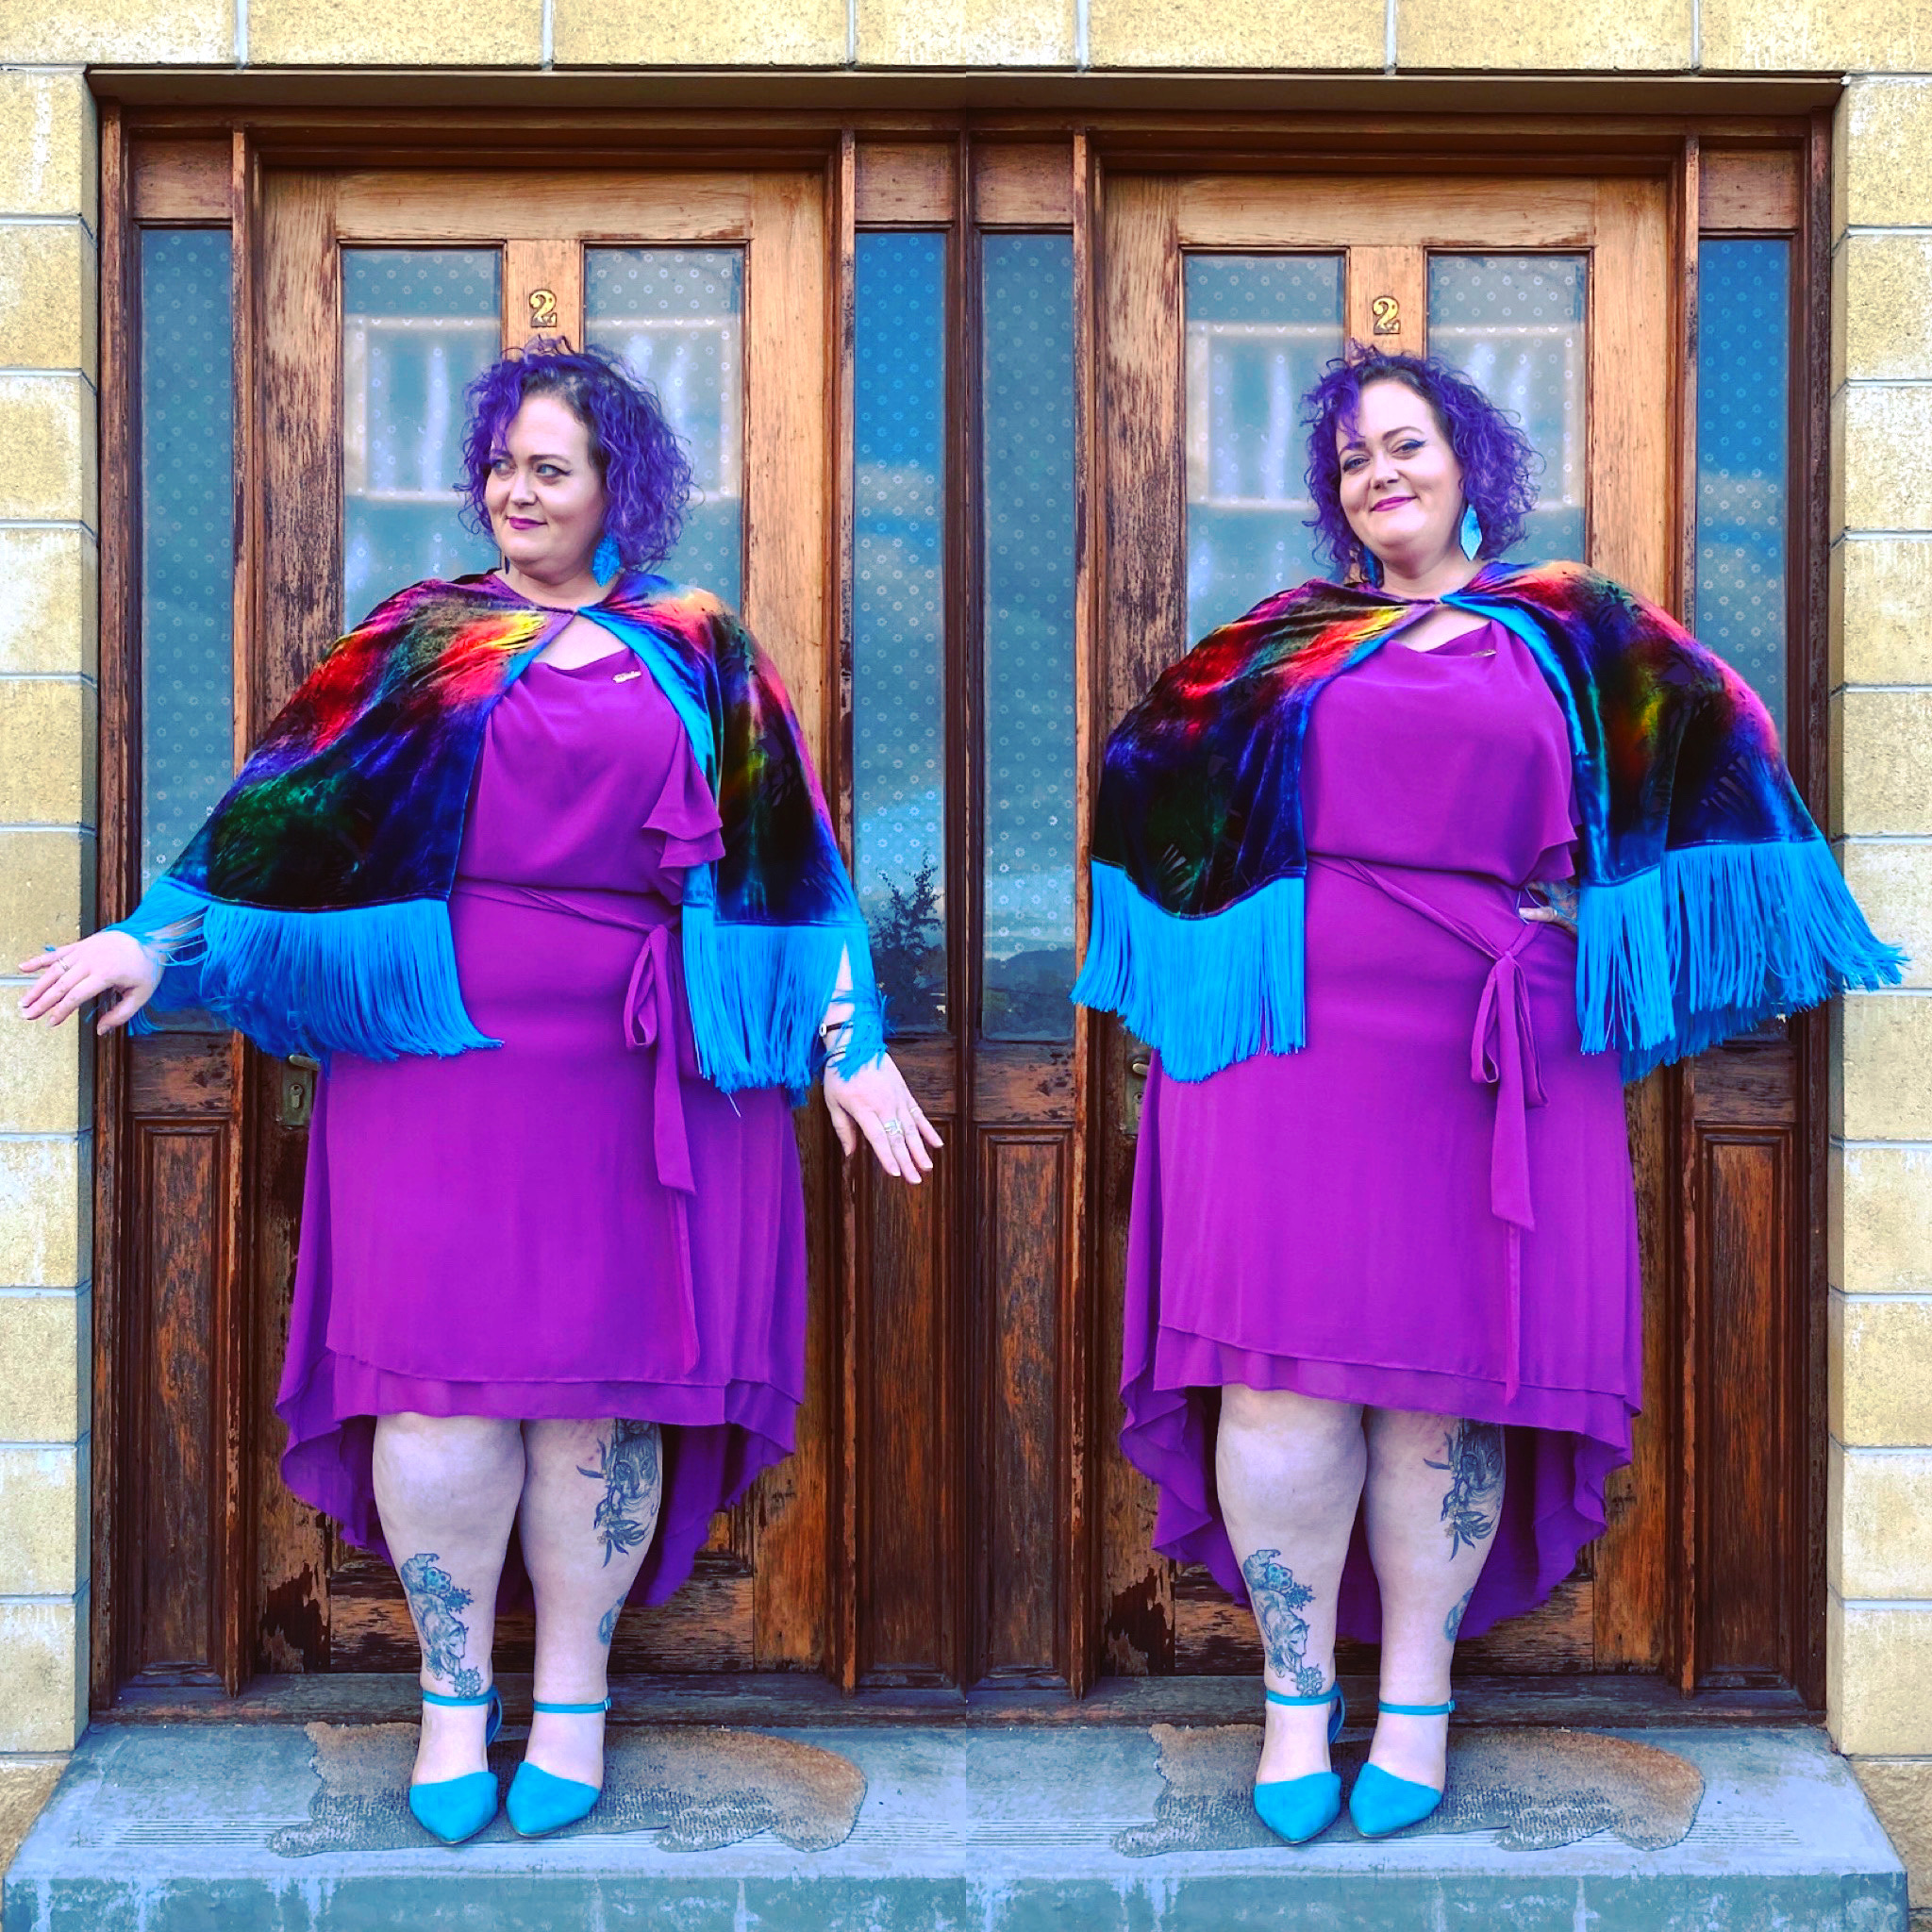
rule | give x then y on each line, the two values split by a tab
1707	945
380	981
1714	940
759	992
375	980
1203	992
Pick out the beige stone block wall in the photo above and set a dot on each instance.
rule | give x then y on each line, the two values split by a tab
1236	34
966	33
1620	35
49	649
451	33
1879	1532
723	33
139	32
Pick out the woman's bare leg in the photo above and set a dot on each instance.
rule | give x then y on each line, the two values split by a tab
1434	1499
590	1511
447	1489
1289	1469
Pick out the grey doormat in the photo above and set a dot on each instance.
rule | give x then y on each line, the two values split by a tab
1536	1789
699	1789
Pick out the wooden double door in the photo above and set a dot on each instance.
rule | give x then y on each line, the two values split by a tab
984	432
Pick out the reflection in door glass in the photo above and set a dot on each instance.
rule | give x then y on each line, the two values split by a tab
418	325
1028	497
1743	457
186	537
1514	324
1259	329
898	627
676	316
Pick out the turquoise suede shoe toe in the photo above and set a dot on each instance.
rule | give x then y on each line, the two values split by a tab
539	1802
1298	1808
454	1809
1381	1802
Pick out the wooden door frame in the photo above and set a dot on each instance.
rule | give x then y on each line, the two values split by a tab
217	180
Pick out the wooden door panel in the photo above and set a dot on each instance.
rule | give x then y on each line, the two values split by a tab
485	207
1264	212
907	1422
1024	1176
180	1380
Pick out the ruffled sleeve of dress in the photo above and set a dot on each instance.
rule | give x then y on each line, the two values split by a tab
684	823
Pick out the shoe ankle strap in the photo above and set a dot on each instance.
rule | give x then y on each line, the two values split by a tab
1418	1709
570	1709
459	1703
1327	1696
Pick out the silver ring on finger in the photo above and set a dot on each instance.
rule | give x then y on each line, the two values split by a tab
893	1127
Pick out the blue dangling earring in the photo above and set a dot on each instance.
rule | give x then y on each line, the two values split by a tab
605	560
1471	535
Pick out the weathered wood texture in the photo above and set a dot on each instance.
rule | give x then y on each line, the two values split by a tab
958	1531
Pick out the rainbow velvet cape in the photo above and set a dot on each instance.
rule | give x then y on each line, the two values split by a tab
311	909
1707	899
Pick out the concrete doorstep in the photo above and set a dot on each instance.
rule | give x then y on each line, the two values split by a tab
877	1828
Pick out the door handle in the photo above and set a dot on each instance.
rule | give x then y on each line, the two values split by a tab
1140	1063
296	1089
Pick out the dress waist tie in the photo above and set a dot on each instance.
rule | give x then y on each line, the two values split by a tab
1502	1054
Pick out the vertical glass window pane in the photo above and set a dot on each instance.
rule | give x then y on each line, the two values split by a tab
676	315
1743	458
1259	329
418	325
898	637
1028	497
186	551
1513	324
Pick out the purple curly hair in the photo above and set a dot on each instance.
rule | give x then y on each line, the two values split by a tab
646	474
1498	463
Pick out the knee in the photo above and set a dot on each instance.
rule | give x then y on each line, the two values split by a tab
430	1444
1281	1415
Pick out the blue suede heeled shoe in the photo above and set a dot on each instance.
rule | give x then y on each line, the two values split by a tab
1298	1808
455	1808
539	1802
1381	1802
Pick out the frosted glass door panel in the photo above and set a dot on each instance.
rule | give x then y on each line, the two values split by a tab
677	316
186	537
419	324
1743	458
1513	324
898	642
1259	328
1028	962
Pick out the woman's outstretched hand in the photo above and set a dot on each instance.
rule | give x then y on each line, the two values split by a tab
874	1101
66	977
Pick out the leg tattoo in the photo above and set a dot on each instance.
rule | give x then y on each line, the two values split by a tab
434	1600
1278	1601
629	1467
1473	1457
606	1625
1452	1624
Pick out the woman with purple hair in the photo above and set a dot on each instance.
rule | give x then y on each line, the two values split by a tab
536	863
1402	875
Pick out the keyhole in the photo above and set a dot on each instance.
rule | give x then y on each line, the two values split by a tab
543	308
1386	311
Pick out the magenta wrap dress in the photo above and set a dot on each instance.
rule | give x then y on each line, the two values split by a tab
575	1222
1430	1207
